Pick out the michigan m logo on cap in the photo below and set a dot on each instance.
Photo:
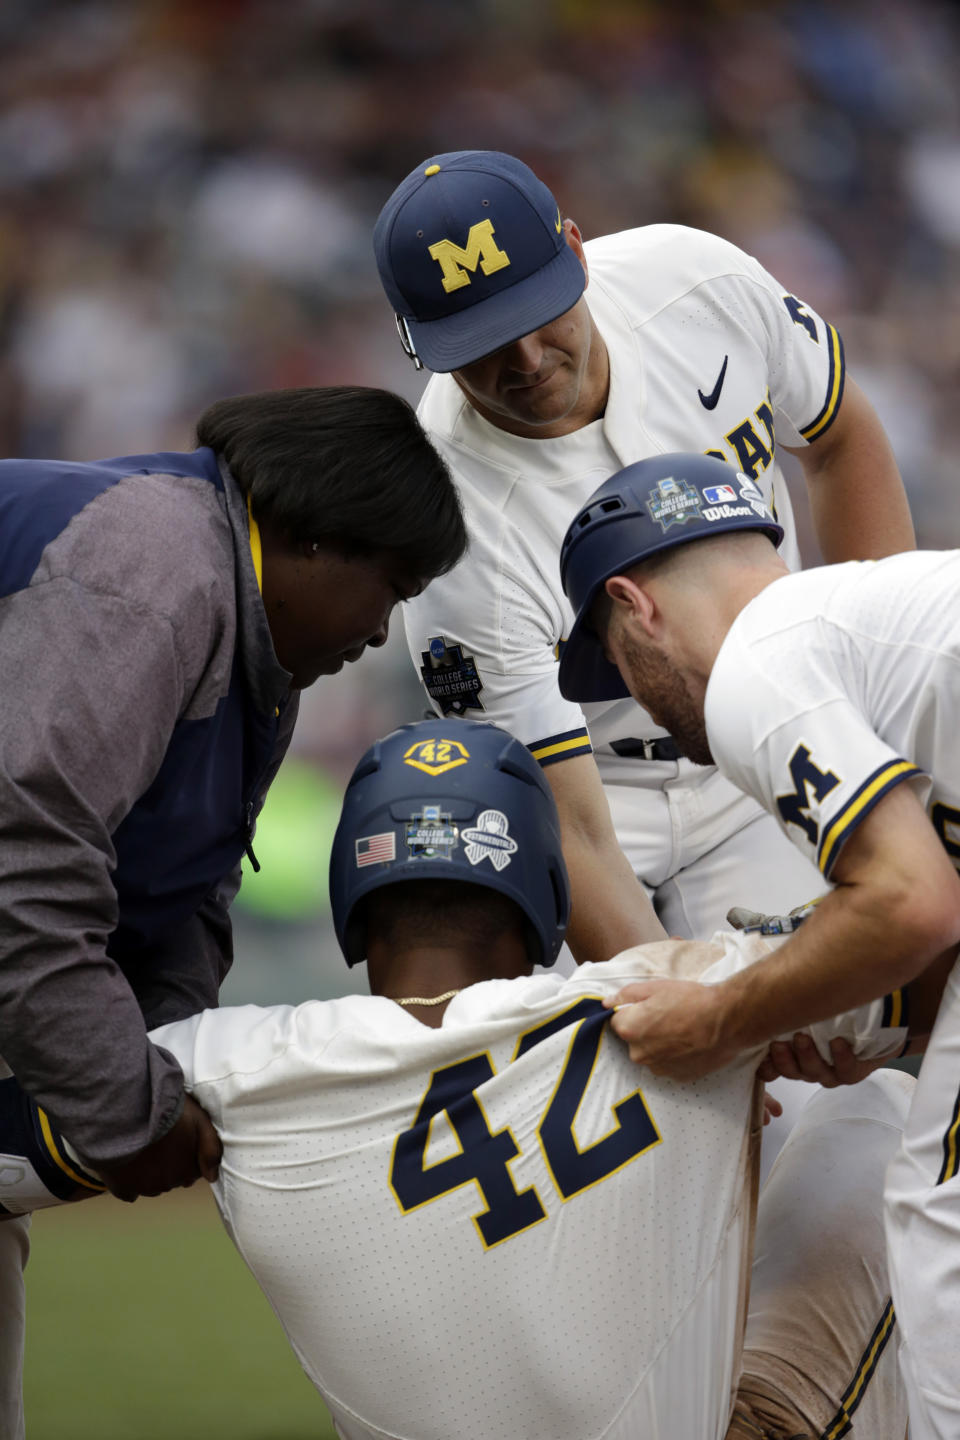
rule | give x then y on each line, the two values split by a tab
481	249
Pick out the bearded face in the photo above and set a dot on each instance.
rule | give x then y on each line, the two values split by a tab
663	690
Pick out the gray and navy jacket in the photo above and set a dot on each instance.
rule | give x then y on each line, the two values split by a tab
143	713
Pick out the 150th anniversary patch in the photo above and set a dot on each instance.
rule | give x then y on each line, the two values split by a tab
450	677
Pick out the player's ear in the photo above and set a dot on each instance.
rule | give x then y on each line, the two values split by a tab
575	240
633	602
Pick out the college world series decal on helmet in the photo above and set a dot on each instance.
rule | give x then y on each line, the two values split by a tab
674	501
429	835
450	677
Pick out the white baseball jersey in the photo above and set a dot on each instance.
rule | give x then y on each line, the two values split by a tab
707	352
923	1232
853	678
500	1227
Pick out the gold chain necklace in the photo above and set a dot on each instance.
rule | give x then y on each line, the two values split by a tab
428	1000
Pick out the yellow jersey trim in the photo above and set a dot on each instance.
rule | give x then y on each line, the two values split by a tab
856	810
893	1010
841	1422
950	1142
581	744
835	378
560	747
256	549
57	1158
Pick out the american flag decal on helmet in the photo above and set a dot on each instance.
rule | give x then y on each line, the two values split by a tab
376	849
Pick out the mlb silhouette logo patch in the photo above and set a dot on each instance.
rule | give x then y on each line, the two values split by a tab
719	494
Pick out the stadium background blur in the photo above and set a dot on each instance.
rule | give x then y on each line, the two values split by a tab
187	191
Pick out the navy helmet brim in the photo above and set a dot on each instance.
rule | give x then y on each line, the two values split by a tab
585	672
615	531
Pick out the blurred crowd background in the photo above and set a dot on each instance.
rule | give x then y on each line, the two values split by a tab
187	191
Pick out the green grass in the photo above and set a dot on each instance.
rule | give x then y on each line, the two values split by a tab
144	1324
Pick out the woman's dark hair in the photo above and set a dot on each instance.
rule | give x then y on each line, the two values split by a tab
344	465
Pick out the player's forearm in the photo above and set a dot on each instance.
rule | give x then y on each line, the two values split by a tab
857	500
852	524
853	949
895	909
610	909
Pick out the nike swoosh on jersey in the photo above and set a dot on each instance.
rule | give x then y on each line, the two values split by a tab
709	402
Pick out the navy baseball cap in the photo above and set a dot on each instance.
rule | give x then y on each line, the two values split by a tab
648	507
472	254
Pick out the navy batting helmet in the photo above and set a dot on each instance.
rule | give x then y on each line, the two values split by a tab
640	511
444	800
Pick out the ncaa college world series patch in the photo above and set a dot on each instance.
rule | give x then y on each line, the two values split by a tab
450	677
430	835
